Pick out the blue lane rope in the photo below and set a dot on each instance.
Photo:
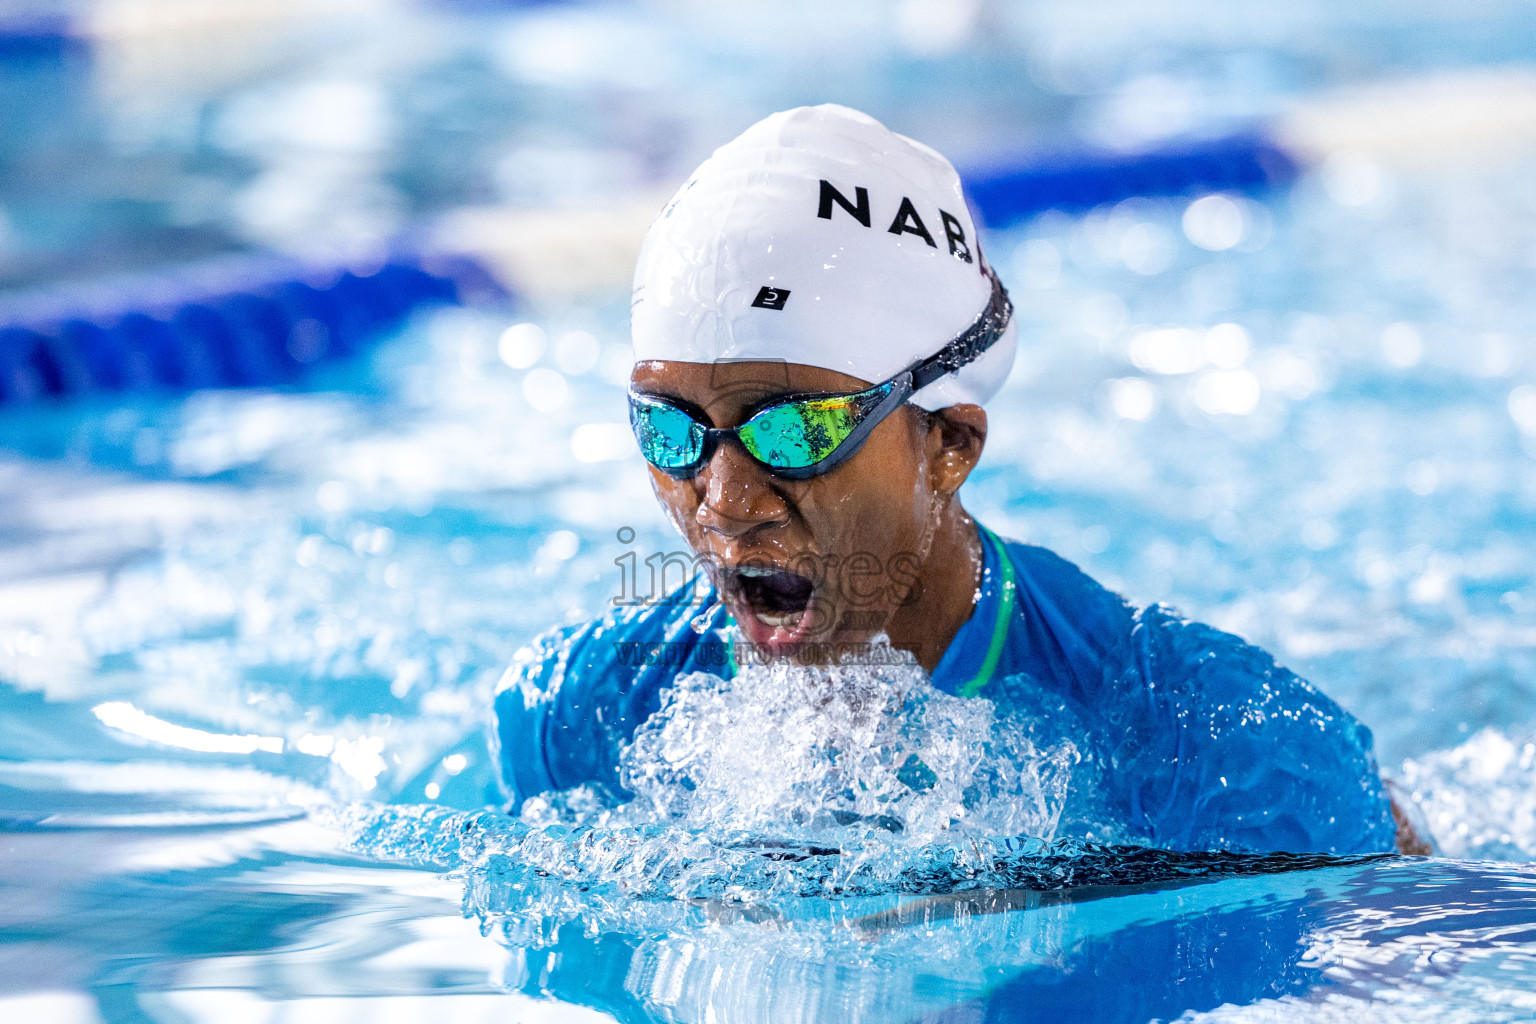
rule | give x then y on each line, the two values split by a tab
241	322
1007	192
39	39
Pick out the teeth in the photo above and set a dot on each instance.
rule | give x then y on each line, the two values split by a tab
754	570
789	620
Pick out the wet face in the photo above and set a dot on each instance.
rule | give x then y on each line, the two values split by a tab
805	566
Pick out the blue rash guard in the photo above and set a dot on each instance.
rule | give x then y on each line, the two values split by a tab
1195	739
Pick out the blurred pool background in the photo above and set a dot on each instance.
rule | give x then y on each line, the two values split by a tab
1305	413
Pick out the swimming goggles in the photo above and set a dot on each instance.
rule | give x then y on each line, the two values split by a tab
799	436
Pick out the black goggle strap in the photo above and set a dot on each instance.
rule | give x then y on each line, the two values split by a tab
968	347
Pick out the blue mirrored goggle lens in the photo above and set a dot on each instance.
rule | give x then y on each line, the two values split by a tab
669	438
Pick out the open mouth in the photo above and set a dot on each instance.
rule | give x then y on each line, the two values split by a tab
777	598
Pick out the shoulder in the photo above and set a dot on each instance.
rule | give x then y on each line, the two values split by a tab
1208	741
1068	629
1229	687
1234	683
1063	584
1241	751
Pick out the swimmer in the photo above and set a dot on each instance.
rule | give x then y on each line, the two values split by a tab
816	331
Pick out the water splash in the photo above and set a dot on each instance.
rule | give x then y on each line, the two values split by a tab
830	792
1479	798
785	781
793	750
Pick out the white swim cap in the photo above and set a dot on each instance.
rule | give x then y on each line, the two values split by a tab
819	236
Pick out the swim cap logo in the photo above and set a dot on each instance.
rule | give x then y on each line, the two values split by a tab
771	298
906	222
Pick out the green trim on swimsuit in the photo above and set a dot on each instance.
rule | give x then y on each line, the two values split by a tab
730	632
1004	615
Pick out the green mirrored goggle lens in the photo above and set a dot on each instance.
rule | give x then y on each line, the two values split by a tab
669	438
799	434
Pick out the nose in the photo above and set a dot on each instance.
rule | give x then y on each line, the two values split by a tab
739	495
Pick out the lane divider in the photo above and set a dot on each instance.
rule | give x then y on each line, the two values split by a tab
258	320
1010	192
245	321
1428	125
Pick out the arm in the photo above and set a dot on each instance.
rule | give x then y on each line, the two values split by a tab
1412	837
562	713
521	713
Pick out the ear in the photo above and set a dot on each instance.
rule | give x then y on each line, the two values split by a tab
956	436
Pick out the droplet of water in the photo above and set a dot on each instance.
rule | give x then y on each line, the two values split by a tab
700	622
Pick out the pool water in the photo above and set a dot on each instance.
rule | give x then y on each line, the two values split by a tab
272	923
248	639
